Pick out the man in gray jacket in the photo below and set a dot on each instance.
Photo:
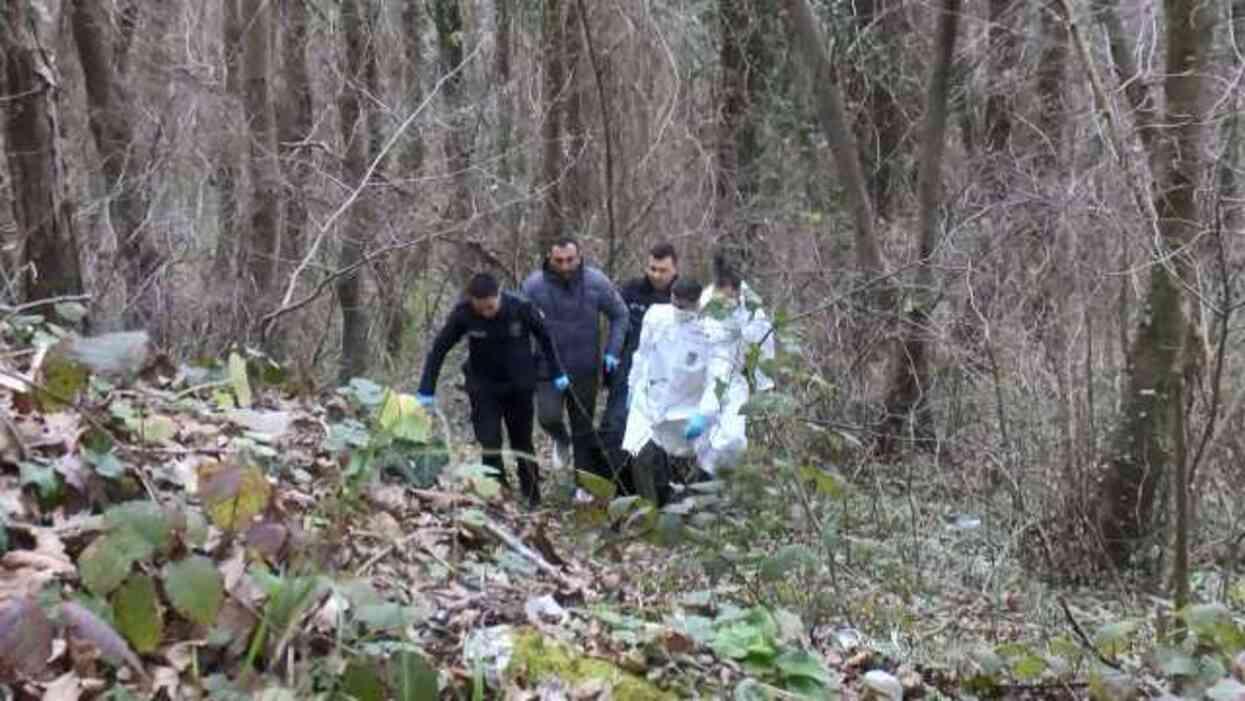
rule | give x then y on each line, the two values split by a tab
572	295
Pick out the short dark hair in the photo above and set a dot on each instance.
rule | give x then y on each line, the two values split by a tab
483	286
664	250
564	241
686	289
725	272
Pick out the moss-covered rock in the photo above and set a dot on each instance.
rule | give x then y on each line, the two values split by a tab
537	658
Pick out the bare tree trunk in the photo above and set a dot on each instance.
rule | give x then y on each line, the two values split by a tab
448	18
553	220
102	55
357	139
577	191
907	398
740	55
1003	46
833	117
294	127
261	250
1145	452
41	208
881	24
226	175
506	165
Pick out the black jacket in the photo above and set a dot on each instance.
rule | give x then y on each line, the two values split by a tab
638	294
499	350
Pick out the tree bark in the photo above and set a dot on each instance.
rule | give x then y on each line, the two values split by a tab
226	175
553	220
42	210
885	129
907	398
102	55
834	124
448	18
1145	452
737	139
357	140
294	128
1003	44
261	251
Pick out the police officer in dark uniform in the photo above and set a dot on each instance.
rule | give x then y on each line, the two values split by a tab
638	294
500	372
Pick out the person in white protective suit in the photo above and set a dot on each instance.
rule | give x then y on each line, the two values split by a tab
729	296
687	389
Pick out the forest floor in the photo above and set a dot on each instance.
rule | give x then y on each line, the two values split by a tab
189	532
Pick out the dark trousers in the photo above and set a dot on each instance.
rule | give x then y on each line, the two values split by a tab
578	403
653	470
489	410
613	428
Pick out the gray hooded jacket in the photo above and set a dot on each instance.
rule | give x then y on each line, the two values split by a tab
571	308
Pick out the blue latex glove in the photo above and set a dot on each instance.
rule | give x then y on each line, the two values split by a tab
695	427
425	400
561	382
611	363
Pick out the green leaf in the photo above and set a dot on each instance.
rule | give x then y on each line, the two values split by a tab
798	663
195	588
147	519
403	417
749	636
596	485
411	677
238	380
622	506
105	464
1111	638
152	429
1028	667
828	483
137	609
361	681
1174	662
383	616
367	393
72	312
233	494
63	380
42	477
106	562
789	557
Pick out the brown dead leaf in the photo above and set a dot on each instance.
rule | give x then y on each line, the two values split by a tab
268	539
384	524
67	687
25	635
86	626
678	644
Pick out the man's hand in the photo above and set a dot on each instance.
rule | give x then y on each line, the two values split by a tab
561	382
695	427
425	400
611	363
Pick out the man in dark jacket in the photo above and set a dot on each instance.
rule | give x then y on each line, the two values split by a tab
500	372
572	295
638	294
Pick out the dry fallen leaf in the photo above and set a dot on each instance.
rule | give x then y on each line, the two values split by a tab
67	687
25	635
85	625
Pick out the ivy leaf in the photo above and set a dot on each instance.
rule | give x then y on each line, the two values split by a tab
146	519
84	624
106	562
361	681
1111	638
238	380
137	608
828	483
402	416
232	494
25	635
195	588
411	677
105	464
596	485
42	477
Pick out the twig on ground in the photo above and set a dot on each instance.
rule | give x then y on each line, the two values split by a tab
1085	641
